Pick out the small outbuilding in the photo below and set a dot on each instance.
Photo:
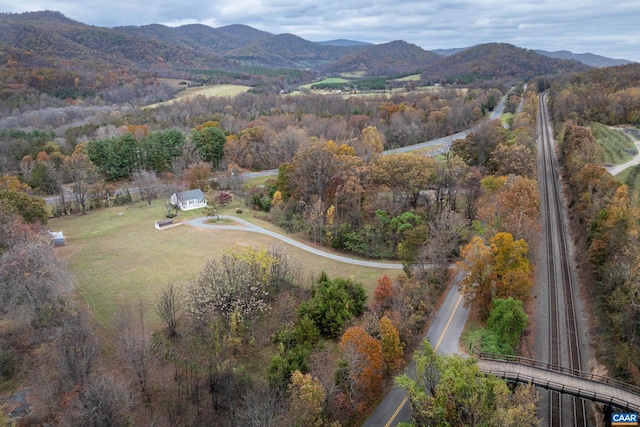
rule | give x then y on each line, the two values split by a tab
57	238
187	200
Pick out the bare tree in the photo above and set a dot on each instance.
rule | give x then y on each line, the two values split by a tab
78	347
134	346
263	407
82	175
104	401
169	305
147	184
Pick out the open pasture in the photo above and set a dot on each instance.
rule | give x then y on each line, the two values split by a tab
121	258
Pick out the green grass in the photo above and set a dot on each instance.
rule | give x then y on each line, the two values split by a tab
411	78
121	258
618	147
354	75
506	118
330	80
631	177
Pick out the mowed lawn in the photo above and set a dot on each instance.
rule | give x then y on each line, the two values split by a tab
121	258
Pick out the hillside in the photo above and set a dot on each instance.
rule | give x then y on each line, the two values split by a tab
288	50
386	59
49	37
215	41
496	60
586	58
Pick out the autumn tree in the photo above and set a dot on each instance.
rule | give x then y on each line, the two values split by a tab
477	148
365	366
511	204
405	175
198	175
392	349
307	400
383	295
370	144
314	168
500	270
476	267
31	209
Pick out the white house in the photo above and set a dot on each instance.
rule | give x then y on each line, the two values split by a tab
187	200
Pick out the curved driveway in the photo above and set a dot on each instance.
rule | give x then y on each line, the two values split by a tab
247	226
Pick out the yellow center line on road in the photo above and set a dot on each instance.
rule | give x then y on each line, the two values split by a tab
444	332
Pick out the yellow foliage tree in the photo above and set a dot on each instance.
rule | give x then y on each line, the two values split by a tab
307	399
391	345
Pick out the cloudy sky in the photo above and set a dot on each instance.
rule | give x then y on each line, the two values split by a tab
610	28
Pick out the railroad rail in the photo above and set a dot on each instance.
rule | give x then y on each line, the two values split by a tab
564	342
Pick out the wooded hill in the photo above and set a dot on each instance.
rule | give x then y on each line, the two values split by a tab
496	60
47	38
386	59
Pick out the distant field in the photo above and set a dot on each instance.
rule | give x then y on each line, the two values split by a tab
617	145
354	75
412	78
329	80
123	258
215	90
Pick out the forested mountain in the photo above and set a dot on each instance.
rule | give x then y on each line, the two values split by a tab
586	58
344	42
496	60
197	36
386	59
288	50
49	37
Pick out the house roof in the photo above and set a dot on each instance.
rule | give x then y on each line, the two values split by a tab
191	194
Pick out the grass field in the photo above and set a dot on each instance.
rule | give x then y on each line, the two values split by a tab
215	90
411	78
618	147
329	80
122	258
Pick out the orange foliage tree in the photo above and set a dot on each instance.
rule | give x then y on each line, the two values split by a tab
365	364
383	295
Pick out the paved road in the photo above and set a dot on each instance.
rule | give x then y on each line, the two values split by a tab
444	335
615	170
247	226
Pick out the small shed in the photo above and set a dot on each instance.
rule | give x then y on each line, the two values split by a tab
187	200
57	238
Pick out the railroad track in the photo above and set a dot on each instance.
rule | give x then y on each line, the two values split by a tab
564	342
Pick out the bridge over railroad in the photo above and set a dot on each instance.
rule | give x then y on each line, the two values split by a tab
564	380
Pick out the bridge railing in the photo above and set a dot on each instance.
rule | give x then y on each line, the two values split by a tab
556	368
